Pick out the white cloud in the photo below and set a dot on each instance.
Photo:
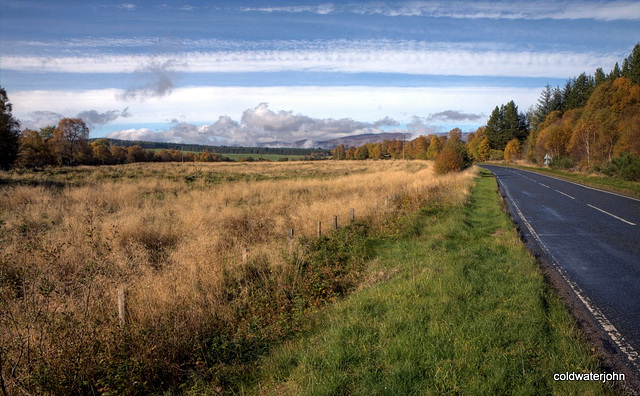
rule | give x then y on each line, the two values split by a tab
258	126
534	10
202	105
340	56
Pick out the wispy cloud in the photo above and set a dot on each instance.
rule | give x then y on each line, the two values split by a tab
94	118
158	77
43	118
535	10
454	115
342	56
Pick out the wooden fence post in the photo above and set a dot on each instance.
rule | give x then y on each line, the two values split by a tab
352	215
335	222
319	229
122	305
290	238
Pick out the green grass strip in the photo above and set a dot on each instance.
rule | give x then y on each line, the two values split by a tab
456	307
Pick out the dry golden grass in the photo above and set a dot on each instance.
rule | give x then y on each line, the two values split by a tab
174	235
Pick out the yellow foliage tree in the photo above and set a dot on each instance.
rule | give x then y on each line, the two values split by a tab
513	150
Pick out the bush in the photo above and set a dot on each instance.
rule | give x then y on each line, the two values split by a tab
561	163
625	166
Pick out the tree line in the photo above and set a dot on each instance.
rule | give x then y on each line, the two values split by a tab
68	144
592	123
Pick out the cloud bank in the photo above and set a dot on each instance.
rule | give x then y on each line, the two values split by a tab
259	126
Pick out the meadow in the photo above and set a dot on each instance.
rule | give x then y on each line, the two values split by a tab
144	278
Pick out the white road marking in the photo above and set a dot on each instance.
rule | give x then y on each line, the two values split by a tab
566	195
611	214
543	185
606	324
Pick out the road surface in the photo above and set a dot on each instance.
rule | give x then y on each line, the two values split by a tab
592	238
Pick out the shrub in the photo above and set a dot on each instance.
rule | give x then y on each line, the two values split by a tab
561	163
625	166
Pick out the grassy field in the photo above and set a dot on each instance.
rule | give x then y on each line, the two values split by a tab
454	305
211	279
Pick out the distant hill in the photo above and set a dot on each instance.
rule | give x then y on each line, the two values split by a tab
351	140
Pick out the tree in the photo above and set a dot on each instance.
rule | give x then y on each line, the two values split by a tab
362	152
581	89
339	153
34	150
435	146
70	142
506	123
9	133
101	153
543	107
135	154
453	157
513	151
351	151
632	71
376	151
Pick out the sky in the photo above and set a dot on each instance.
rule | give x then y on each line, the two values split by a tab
233	72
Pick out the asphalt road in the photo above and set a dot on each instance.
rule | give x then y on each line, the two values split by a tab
592	237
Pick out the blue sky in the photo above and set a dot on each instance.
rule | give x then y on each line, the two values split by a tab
263	72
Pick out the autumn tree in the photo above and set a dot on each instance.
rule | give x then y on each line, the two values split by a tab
70	141
350	154
435	146
376	151
420	147
101	153
513	151
339	153
135	154
453	157
362	152
35	150
9	132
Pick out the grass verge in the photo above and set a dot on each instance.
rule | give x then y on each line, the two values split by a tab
456	305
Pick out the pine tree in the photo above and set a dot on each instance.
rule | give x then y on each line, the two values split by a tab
506	123
9	132
543	107
599	76
615	73
631	65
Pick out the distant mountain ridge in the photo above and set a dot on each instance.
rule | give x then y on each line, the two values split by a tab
299	147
